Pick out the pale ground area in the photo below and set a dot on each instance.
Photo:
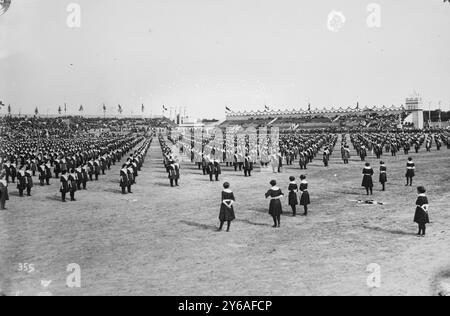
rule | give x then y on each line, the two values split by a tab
162	240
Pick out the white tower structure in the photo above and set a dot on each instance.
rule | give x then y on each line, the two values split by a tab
415	106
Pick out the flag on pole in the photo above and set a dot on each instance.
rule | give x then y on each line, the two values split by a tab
143	108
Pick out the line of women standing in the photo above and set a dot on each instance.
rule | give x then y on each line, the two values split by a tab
304	197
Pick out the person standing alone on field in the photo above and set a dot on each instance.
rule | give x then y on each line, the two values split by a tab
275	207
421	216
367	179
410	171
383	175
226	208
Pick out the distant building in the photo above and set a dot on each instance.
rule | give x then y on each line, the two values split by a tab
414	106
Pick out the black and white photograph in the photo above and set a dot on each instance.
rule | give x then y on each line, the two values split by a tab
203	149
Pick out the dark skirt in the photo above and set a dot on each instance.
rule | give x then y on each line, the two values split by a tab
4	196
304	200
275	208
421	217
410	173
367	182
383	178
226	213
293	200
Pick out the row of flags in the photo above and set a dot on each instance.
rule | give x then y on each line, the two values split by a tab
81	108
228	110
120	109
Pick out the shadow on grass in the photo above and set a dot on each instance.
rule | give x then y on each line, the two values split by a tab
389	231
246	221
286	212
356	192
201	226
162	184
54	198
116	191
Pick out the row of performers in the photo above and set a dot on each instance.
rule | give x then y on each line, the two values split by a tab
275	194
288	149
72	179
246	162
51	157
394	143
130	169
171	163
368	173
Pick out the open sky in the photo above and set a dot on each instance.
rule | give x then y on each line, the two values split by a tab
208	54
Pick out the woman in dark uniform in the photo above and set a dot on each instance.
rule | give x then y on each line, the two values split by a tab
21	181
3	190
410	172
226	208
275	208
421	216
64	179
124	179
304	200
29	178
72	184
217	169
383	175
293	200
367	179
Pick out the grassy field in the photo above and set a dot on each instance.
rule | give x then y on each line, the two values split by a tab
162	240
